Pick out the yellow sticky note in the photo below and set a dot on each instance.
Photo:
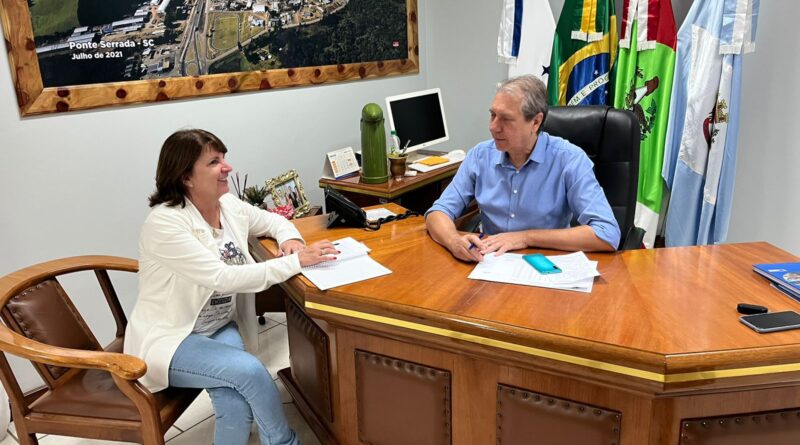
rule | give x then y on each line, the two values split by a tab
434	160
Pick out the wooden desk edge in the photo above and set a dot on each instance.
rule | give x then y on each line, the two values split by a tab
367	189
666	370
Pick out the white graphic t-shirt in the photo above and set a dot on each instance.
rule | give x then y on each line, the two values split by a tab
219	309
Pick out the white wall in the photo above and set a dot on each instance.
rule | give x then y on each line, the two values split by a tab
463	61
77	183
765	205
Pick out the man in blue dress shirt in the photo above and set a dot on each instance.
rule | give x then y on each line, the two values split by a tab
528	186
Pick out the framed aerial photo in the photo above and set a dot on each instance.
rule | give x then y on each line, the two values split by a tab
80	54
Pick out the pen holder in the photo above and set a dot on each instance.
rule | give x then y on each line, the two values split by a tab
397	166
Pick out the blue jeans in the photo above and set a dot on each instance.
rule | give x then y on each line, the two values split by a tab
241	389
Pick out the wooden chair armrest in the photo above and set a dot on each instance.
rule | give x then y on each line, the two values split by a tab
125	366
15	282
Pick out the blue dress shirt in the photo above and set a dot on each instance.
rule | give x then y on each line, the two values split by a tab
555	183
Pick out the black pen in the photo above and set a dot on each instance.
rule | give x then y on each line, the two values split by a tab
472	245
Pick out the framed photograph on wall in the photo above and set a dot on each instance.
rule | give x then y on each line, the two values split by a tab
286	190
80	54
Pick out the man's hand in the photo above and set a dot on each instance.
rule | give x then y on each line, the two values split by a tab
318	252
291	246
504	242
466	247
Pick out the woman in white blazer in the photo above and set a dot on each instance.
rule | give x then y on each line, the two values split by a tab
194	323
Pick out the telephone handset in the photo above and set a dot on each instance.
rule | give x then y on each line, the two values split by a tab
342	211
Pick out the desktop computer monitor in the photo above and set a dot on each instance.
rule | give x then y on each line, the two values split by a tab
419	118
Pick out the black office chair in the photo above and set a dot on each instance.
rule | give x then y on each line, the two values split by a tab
611	139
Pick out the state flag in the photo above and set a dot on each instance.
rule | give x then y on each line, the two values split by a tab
644	85
700	151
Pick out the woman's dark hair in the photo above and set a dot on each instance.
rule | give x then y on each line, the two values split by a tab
178	155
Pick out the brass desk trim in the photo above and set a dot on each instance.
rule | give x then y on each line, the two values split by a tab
580	361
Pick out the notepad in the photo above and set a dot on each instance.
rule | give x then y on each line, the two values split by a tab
433	160
353	264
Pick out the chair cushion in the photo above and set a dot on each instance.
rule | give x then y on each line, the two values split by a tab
45	313
93	393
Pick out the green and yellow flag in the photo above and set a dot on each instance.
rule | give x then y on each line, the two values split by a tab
584	51
643	86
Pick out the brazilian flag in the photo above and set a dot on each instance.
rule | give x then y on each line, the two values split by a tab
583	56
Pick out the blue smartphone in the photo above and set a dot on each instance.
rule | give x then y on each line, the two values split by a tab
541	263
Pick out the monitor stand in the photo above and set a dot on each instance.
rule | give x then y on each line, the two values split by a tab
431	152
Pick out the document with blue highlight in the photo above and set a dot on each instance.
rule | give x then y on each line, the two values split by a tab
577	271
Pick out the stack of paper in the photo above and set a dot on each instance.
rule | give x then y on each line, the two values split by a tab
351	265
577	272
376	214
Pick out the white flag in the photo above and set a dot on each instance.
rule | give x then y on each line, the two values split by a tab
526	37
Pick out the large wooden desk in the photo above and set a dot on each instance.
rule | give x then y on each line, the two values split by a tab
414	193
654	355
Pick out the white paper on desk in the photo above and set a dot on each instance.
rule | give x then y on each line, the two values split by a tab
577	271
376	214
352	264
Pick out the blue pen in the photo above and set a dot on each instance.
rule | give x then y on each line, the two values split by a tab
472	245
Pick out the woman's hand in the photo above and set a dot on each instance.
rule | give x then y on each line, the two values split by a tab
292	246
318	252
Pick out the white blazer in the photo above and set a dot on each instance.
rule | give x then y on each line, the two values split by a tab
180	268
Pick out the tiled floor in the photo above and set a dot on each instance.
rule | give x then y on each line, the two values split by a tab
196	425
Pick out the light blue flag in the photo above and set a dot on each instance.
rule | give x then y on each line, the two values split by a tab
700	151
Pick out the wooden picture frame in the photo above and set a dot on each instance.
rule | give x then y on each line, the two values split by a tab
35	96
286	189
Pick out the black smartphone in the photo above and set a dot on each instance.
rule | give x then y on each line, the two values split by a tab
772	321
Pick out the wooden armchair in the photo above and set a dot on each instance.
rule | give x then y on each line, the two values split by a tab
91	391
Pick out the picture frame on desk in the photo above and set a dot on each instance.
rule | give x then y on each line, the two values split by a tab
287	191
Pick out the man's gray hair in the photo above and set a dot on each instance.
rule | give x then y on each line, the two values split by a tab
531	90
